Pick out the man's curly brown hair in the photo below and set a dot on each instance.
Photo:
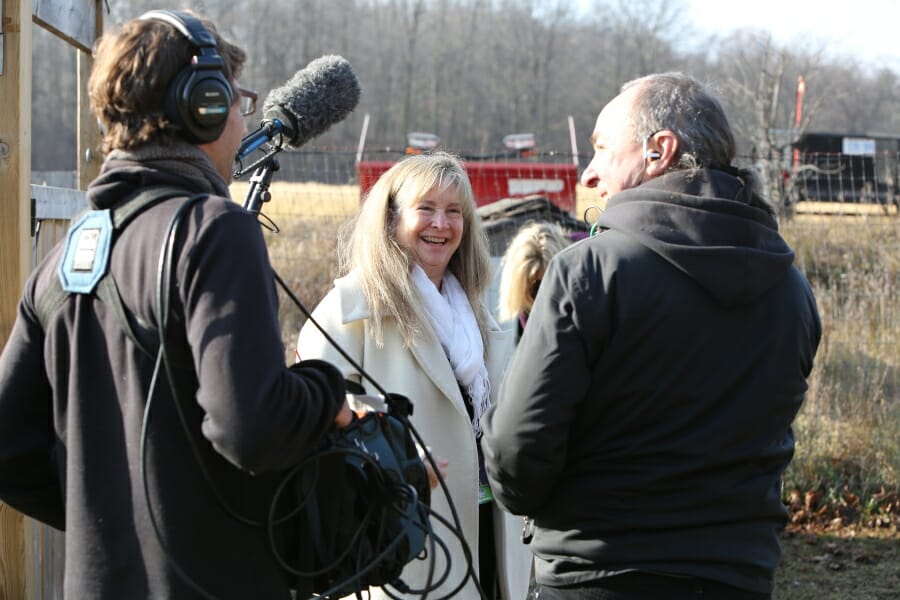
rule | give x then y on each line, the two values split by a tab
133	66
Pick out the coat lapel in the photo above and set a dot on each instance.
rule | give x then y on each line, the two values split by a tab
435	364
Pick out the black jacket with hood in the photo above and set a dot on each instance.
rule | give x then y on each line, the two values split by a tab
645	421
73	400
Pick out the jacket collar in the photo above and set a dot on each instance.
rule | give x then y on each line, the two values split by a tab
426	350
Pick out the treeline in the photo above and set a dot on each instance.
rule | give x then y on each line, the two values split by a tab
472	71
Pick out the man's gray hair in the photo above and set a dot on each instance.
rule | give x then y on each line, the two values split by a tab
681	104
684	106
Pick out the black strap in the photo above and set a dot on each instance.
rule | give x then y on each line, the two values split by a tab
124	212
54	296
49	301
145	339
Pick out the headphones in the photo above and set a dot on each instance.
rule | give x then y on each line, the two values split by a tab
199	96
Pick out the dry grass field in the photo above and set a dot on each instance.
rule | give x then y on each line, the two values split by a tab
843	486
305	199
306	218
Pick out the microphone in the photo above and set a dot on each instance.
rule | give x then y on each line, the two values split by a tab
315	98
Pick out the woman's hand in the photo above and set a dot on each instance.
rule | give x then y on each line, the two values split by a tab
344	416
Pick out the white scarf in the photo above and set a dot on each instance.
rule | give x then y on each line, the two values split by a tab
452	318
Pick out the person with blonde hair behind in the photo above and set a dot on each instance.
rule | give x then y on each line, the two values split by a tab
523	265
409	310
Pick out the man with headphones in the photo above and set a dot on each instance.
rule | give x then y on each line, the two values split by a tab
645	420
144	403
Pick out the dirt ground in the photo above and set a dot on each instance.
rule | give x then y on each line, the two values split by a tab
843	563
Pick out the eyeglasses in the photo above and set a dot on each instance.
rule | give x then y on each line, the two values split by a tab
248	101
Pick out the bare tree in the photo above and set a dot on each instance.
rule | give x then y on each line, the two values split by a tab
474	70
760	85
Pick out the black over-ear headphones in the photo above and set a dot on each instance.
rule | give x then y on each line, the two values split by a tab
199	97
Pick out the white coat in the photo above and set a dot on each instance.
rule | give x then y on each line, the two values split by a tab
422	373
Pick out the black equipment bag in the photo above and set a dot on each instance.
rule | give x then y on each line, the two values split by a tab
358	507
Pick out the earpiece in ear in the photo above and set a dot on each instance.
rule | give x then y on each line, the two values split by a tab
649	154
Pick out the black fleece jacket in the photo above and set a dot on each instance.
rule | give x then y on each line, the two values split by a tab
73	401
645	420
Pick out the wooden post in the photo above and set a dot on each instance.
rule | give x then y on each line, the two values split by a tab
15	186
15	158
31	554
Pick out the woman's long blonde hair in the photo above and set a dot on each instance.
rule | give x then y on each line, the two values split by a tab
523	266
383	266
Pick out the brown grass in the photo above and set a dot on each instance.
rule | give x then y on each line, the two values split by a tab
304	199
303	248
849	429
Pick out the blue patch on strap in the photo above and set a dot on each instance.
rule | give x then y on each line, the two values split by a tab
86	256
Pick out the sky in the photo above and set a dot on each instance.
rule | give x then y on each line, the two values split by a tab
865	30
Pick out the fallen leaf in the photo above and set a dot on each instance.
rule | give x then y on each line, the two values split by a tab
812	499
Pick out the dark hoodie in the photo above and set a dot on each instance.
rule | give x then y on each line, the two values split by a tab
73	401
645	420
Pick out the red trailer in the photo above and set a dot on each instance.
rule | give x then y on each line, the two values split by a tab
492	181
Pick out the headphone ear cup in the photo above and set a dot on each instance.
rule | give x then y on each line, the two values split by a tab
173	94
199	96
198	101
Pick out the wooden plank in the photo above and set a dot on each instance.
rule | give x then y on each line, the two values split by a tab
57	563
54	209
47	565
88	136
15	255
33	533
15	159
12	554
63	179
57	203
50	233
75	21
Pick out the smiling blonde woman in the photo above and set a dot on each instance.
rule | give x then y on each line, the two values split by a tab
410	311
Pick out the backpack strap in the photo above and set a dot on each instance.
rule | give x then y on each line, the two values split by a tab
100	282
